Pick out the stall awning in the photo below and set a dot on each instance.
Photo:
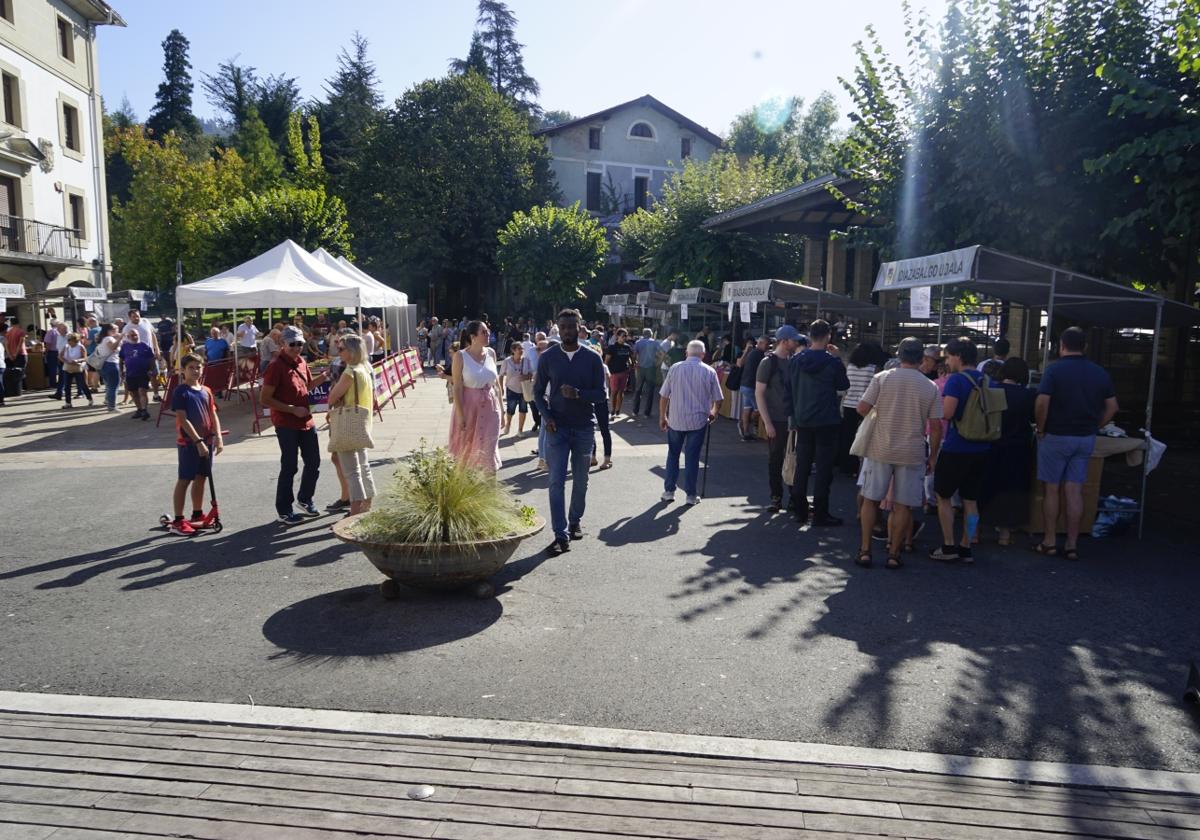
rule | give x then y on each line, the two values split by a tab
375	293
693	297
809	209
785	292
286	276
1003	276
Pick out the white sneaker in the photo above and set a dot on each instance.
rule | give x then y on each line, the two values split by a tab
693	500
668	496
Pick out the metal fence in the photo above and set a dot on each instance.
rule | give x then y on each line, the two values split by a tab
27	236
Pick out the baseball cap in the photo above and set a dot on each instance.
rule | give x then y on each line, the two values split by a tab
787	333
292	334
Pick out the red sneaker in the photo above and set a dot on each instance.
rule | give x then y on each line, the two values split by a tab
181	527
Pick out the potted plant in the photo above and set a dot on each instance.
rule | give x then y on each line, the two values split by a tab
441	525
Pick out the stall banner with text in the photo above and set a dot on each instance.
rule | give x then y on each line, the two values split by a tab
318	398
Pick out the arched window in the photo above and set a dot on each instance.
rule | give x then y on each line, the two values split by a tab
642	130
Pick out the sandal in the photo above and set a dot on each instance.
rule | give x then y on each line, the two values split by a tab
607	465
864	559
894	562
1071	553
1044	550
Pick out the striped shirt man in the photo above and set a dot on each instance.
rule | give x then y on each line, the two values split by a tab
691	387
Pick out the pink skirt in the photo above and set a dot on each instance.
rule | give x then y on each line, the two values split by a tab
479	443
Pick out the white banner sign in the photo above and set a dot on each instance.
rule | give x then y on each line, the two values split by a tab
89	305
731	310
348	310
754	306
918	305
746	290
934	269
12	290
683	313
3	304
81	293
745	306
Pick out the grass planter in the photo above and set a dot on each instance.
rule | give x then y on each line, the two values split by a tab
438	566
441	525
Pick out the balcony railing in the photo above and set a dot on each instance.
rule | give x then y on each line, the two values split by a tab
38	239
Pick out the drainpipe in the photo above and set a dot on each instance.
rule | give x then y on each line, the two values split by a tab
98	185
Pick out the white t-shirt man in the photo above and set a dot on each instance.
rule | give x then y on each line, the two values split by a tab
146	334
247	336
368	343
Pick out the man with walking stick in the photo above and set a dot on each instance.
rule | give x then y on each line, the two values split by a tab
688	403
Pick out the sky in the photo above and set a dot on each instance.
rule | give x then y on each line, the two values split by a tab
709	60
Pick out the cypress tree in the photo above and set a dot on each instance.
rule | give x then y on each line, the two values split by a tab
172	109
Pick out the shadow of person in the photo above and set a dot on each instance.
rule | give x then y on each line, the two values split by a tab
160	558
647	527
359	622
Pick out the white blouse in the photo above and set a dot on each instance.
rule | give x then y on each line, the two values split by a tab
476	375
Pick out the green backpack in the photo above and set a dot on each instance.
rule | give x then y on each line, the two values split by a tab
981	415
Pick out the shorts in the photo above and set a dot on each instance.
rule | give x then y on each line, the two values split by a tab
619	381
959	472
137	383
191	464
1064	458
514	400
749	401
908	481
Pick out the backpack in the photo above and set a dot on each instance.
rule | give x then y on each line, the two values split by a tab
981	415
734	380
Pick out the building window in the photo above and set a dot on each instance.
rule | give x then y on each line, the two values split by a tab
593	192
685	147
642	130
6	10
66	39
641	192
12	99
71	128
76	218
593	138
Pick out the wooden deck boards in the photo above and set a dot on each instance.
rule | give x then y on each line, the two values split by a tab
80	778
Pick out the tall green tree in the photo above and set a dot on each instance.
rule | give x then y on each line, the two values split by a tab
803	143
449	165
350	111
668	244
253	142
172	109
170	198
305	163
475	61
548	253
231	90
495	42
277	98
245	227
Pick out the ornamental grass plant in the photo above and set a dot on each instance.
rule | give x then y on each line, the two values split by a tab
434	499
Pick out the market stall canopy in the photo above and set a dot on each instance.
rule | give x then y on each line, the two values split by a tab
693	297
785	292
1006	277
377	294
285	276
810	209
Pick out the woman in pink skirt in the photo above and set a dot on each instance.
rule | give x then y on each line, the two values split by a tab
475	421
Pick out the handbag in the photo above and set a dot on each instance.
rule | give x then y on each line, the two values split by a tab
527	390
95	360
789	458
349	426
72	367
862	439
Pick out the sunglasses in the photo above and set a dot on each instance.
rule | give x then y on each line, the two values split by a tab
295	344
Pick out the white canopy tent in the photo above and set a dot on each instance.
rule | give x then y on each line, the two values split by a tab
401	325
286	276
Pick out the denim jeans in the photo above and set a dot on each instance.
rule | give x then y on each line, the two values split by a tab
110	375
575	443
50	360
646	380
293	443
78	381
690	444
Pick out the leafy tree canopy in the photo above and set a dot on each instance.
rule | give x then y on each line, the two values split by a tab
549	253
553	118
802	143
253	142
669	245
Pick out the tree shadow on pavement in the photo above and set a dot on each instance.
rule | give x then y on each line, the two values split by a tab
161	558
358	622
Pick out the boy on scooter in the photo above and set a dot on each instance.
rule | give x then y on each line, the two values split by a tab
198	434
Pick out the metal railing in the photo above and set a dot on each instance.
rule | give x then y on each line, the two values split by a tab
39	239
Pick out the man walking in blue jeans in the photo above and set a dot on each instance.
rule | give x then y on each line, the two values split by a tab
574	378
1076	399
690	399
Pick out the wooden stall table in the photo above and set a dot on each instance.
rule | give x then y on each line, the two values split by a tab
35	370
1134	450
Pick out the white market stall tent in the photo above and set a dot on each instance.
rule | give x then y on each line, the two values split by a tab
401	321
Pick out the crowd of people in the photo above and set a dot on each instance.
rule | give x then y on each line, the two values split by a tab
922	430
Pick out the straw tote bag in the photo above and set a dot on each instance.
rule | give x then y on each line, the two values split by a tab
863	437
349	426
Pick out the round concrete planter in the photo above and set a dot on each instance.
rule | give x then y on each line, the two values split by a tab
437	565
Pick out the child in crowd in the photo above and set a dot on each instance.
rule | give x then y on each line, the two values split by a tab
198	435
138	359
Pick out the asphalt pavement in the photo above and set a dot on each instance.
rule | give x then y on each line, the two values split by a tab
717	619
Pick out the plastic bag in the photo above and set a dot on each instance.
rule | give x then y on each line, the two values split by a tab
1117	515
